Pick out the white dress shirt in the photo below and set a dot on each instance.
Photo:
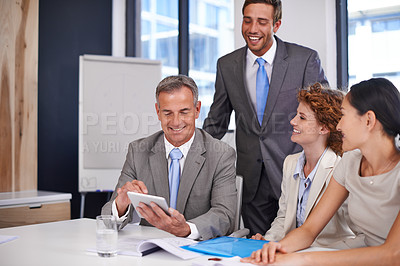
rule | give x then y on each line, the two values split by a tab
252	68
184	148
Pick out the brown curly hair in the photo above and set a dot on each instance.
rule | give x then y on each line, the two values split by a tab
325	103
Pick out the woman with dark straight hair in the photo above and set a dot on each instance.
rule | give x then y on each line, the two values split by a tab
380	96
368	176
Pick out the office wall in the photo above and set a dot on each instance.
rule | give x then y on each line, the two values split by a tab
18	94
311	23
67	29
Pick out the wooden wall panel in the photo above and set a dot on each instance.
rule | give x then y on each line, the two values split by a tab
18	94
5	131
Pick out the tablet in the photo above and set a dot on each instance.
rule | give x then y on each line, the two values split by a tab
136	198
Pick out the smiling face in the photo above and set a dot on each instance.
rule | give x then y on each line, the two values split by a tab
352	126
258	27
306	129
177	115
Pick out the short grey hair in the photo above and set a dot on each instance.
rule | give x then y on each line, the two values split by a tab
174	83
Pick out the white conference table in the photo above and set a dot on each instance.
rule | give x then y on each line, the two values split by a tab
66	243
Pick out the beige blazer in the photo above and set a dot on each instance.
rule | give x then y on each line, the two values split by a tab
336	230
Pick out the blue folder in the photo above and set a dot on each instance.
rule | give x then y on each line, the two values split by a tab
227	246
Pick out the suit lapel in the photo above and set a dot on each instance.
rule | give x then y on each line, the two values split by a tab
290	220
193	164
321	177
278	74
159	169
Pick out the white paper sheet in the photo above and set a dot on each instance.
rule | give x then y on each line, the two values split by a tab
5	239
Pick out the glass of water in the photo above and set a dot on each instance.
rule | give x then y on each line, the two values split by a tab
106	236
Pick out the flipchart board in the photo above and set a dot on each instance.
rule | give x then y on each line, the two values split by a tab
116	106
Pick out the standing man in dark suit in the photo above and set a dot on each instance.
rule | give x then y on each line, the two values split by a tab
262	92
203	203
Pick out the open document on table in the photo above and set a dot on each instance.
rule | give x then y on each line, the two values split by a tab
132	246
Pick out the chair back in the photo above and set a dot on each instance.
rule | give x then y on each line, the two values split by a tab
239	188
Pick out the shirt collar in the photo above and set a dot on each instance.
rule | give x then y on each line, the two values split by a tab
268	56
299	170
300	165
184	148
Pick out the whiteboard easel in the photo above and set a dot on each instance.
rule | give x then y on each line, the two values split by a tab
116	106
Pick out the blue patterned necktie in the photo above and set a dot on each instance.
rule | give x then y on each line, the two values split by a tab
174	176
262	87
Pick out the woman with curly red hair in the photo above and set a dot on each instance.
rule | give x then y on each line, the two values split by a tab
306	174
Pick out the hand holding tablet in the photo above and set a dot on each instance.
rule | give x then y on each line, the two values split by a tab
136	198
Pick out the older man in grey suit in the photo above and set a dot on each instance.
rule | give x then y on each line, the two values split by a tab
260	83
204	205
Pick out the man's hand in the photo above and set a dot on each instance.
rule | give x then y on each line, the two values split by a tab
122	200
174	224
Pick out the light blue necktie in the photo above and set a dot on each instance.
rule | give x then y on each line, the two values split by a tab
262	87
174	176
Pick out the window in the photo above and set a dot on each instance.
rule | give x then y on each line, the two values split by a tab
159	20
352	28
210	37
373	40
167	8
385	25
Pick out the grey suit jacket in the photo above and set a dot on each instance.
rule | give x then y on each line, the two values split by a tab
294	67
207	193
336	231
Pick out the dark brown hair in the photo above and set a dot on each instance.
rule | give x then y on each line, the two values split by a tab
325	103
275	3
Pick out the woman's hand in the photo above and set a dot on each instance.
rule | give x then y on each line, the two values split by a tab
265	255
258	236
